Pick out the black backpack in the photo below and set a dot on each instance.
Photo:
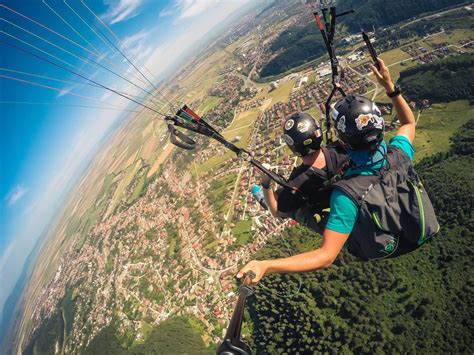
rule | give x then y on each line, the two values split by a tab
311	181
395	213
308	204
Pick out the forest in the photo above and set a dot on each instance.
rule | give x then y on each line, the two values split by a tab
299	45
174	336
417	303
378	13
448	79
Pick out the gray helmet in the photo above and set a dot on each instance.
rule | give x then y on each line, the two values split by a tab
302	133
359	123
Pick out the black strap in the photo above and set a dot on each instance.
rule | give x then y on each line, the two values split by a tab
329	162
327	32
179	139
198	127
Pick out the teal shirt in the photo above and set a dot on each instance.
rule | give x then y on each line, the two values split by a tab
344	211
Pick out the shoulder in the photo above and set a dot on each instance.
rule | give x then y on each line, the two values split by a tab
340	199
343	213
298	171
404	145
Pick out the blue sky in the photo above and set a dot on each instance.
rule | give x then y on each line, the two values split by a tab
44	147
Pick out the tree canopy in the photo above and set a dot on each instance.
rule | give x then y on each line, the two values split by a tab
448	79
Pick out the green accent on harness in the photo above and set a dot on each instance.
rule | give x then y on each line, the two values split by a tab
390	247
186	116
422	213
378	224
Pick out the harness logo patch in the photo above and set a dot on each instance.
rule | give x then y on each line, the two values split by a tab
341	124
307	141
364	119
288	139
302	127
289	124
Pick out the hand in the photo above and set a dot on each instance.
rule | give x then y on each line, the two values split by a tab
383	76
258	267
265	181
264	178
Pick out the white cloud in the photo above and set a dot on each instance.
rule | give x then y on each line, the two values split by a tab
121	10
138	37
191	8
6	255
16	194
212	13
187	8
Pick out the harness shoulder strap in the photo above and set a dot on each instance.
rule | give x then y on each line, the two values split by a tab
329	161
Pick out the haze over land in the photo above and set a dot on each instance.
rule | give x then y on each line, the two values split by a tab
145	245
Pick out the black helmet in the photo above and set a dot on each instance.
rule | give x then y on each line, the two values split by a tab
302	134
359	122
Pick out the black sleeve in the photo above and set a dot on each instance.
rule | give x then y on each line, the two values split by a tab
287	201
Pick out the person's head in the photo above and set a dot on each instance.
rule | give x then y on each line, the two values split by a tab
302	134
359	123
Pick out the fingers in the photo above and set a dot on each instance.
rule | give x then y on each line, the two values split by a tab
243	271
254	268
376	72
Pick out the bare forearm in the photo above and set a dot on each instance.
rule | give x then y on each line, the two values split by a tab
271	201
404	112
308	261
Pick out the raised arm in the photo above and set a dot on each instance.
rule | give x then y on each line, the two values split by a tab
271	200
404	112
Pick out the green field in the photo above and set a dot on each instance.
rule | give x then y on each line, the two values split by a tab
436	125
282	92
209	104
139	188
239	127
218	189
242	232
439	123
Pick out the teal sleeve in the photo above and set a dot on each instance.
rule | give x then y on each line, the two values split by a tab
343	213
404	144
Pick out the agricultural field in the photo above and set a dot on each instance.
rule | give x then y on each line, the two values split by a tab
437	124
208	104
242	232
